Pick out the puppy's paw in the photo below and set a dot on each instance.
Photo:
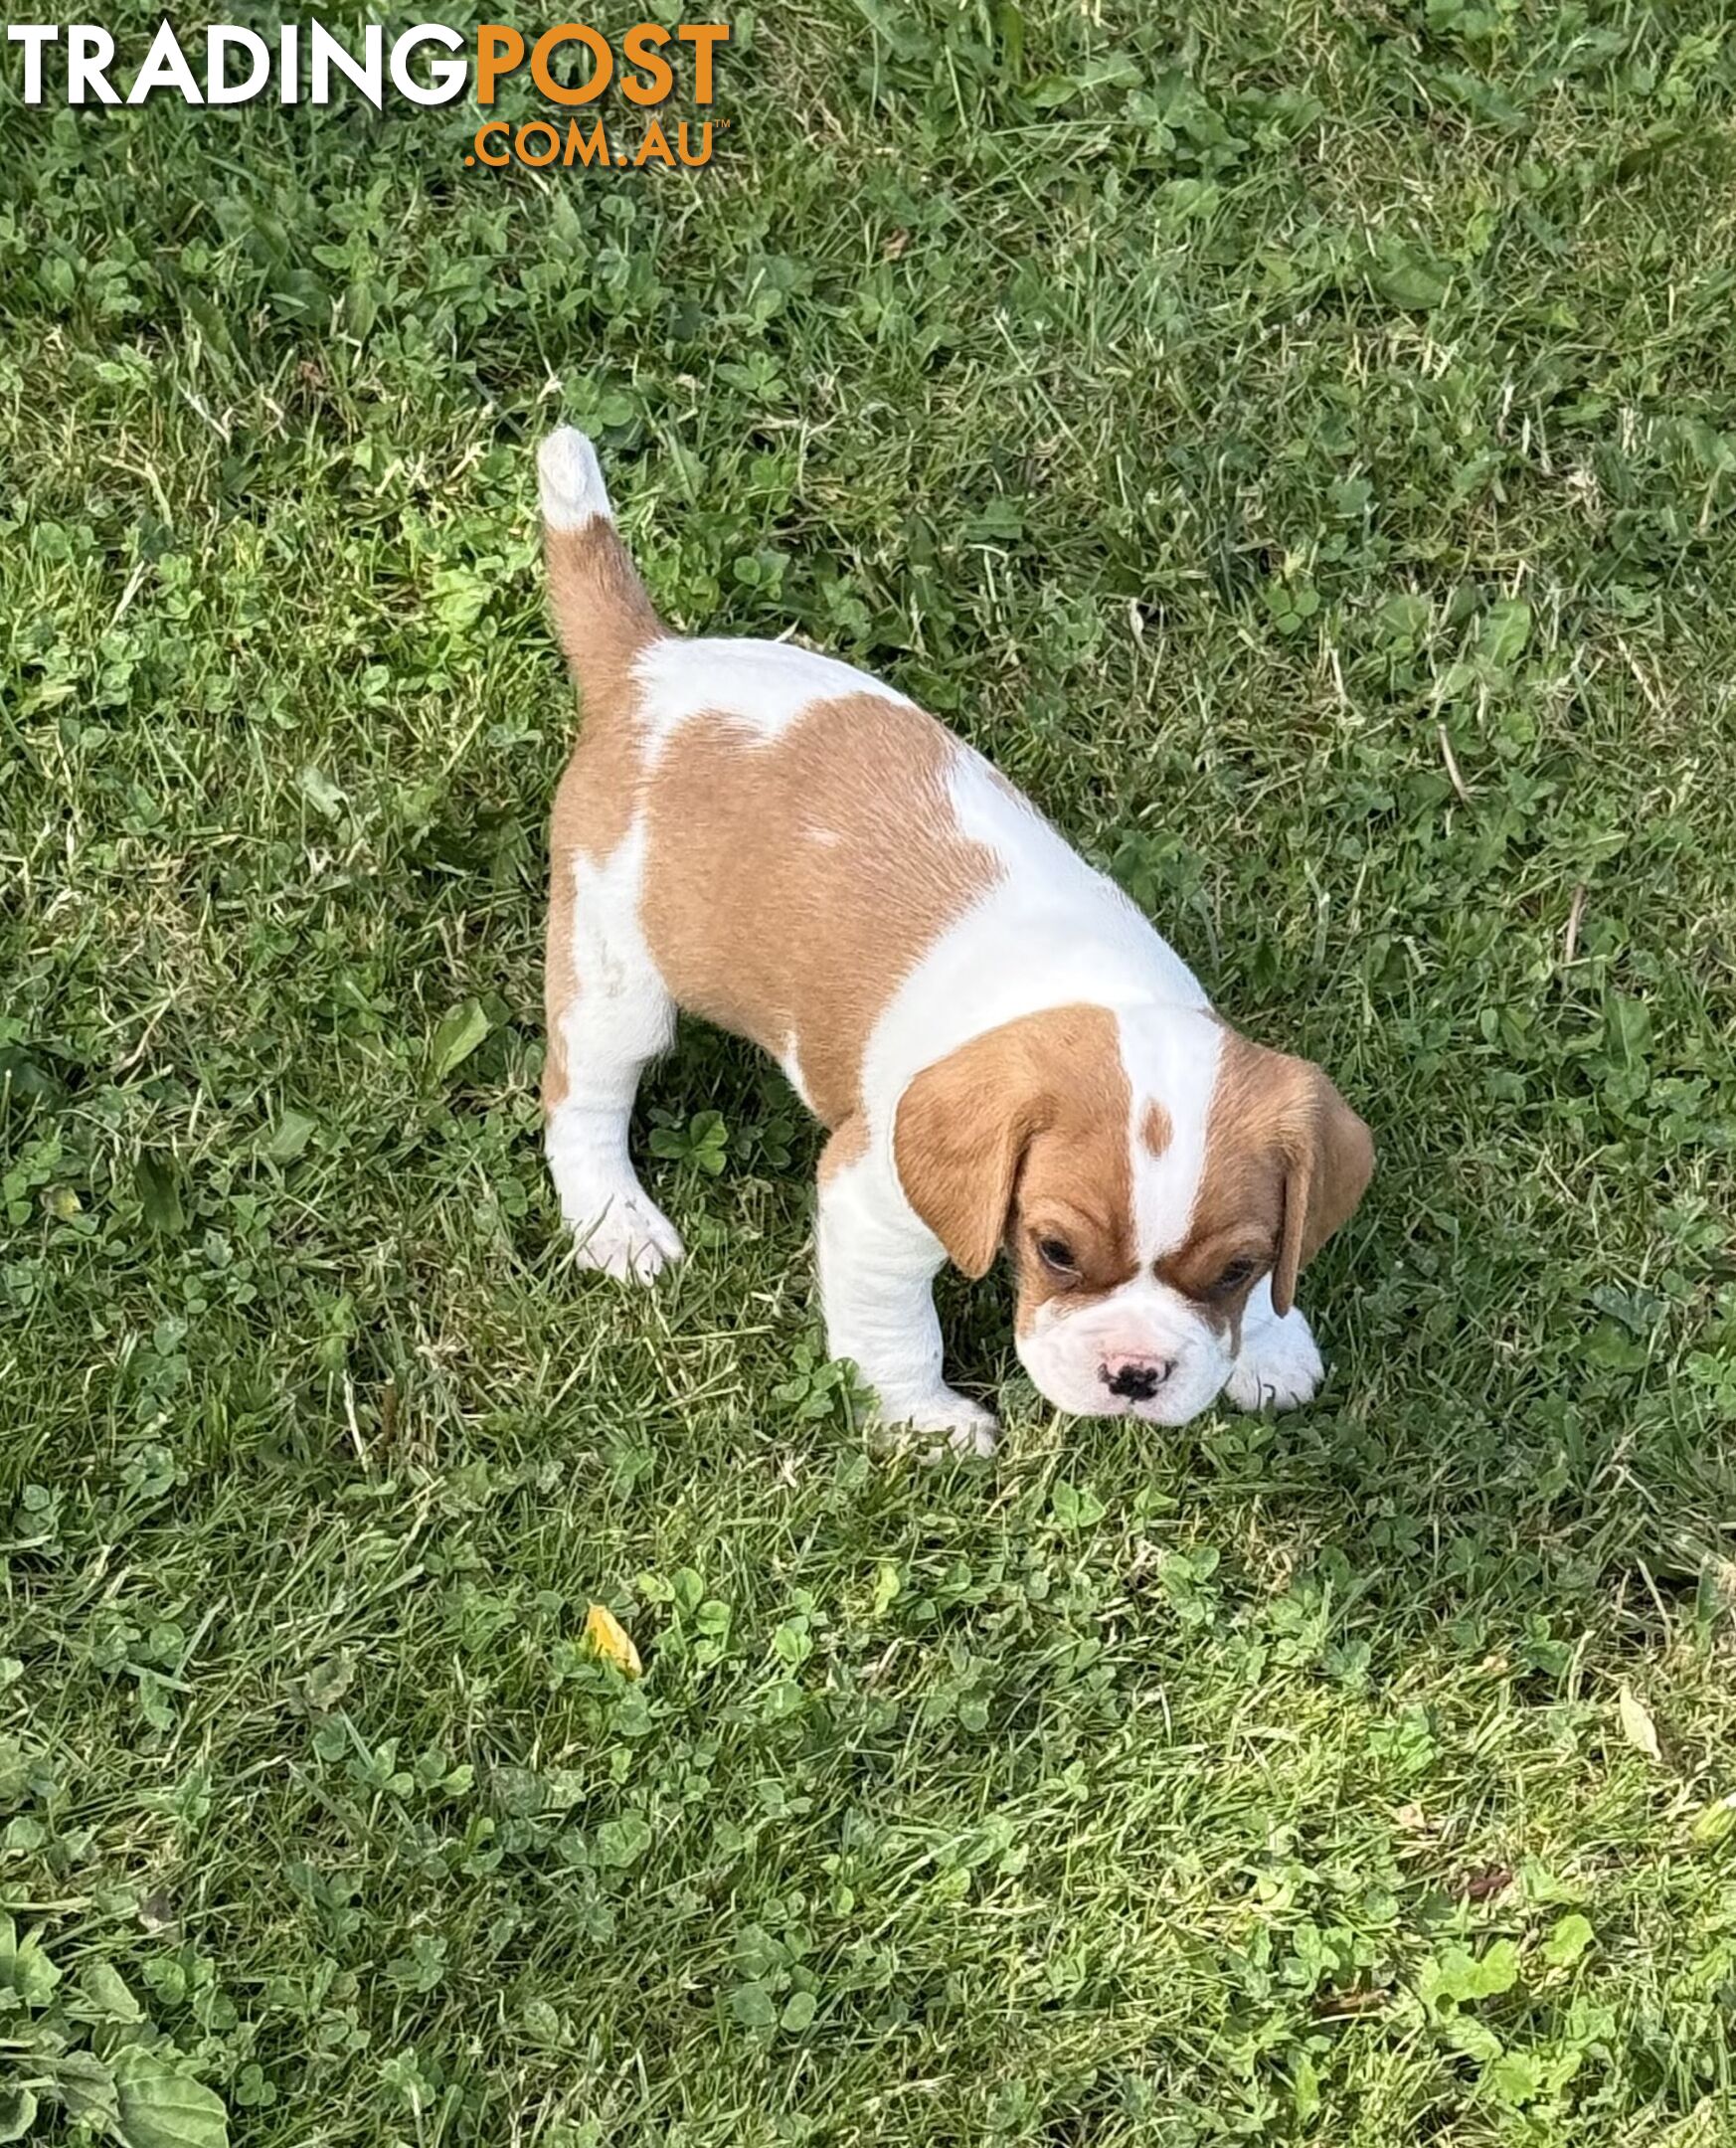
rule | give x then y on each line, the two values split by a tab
963	1427
624	1235
1280	1366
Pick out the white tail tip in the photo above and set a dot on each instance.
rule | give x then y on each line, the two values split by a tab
571	480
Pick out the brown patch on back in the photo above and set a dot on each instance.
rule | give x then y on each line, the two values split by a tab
1026	1128
792	883
1154	1129
1285	1164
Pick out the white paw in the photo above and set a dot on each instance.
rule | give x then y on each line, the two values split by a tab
626	1236
965	1427
1280	1366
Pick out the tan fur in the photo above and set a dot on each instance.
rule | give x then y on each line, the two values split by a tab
602	611
1155	1130
604	621
1331	1154
560	973
848	1145
1286	1162
791	885
1026	1127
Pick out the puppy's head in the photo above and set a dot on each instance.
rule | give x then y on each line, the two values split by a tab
1147	1172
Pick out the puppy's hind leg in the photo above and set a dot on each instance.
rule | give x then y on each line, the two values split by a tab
608	1014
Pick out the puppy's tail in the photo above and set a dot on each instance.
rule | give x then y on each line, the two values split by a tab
602	612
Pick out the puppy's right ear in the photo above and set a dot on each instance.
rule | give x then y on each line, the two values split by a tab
959	1139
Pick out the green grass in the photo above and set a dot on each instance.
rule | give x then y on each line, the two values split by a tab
1295	442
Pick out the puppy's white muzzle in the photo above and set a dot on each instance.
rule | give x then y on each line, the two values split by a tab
1142	1351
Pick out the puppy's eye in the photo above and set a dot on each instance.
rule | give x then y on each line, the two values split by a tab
1057	1256
1233	1277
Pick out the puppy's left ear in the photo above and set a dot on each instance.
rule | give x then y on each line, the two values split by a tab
1328	1162
959	1139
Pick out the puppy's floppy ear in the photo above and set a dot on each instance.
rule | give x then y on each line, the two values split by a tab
959	1139
1329	1161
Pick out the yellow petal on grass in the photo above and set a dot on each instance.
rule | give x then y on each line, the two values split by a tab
611	1641
1637	1725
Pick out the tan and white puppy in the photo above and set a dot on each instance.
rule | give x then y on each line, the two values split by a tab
1004	1051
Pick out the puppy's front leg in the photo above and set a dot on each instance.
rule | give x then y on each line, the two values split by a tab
1279	1364
877	1266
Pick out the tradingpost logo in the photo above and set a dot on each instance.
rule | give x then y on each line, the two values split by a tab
571	64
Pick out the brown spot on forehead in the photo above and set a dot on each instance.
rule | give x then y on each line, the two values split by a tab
792	883
1155	1128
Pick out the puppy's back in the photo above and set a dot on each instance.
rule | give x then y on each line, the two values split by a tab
794	880
789	825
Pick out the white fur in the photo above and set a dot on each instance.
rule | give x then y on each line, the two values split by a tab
765	685
877	1266
1067	1348
1171	1057
790	1062
619	1018
1280	1364
569	479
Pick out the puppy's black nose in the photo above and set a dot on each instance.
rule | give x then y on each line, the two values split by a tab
1138	1379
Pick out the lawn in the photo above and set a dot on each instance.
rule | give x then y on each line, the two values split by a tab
1295	442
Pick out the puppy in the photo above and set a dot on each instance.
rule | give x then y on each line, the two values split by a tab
1003	1051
